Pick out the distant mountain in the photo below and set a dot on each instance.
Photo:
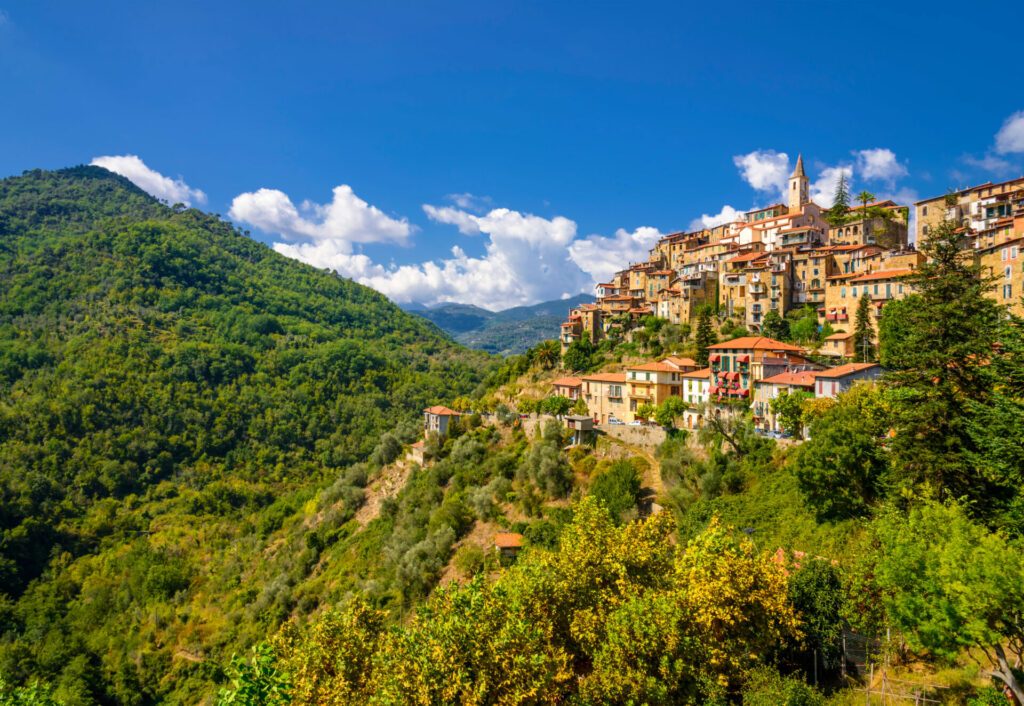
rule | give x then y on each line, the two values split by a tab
504	332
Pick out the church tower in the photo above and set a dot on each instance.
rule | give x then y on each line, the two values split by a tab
798	186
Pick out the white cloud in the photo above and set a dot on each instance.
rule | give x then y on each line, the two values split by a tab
526	260
764	170
152	182
601	257
880	164
728	214
346	220
1010	138
823	189
470	202
466	222
989	162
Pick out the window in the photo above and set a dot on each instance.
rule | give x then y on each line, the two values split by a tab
854	292
1007	273
1013	253
924	230
876	289
1007	291
924	211
901	289
842	292
1003	254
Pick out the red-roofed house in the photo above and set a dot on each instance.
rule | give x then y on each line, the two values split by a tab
769	388
568	387
838	345
437	419
834	381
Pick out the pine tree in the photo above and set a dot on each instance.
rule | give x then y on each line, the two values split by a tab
937	346
705	336
836	215
863	332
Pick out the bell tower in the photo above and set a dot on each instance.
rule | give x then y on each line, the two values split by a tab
798	186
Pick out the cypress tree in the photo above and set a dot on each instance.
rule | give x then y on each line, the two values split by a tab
705	336
863	332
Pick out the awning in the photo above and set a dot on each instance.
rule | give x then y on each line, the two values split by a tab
744	393
715	358
744	359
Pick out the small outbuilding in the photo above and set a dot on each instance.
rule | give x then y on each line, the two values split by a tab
582	428
508	543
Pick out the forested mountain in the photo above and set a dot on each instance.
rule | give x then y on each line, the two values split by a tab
170	391
504	332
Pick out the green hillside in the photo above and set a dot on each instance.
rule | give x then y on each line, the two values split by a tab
170	392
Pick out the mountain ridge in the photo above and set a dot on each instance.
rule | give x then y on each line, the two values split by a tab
506	332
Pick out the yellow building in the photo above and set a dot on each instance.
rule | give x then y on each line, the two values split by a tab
977	208
605	395
1005	264
652	383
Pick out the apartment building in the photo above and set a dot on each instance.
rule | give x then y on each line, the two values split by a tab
1004	263
652	383
737	364
605	395
977	208
696	387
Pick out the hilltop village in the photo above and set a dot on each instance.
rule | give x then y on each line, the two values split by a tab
773	264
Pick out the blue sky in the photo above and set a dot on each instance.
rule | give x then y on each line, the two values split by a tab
505	153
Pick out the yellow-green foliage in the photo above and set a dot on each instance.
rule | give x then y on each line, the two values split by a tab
616	614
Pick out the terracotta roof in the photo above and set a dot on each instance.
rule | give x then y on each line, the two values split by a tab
508	540
567	382
663	272
419	444
838	336
844	370
656	367
699	374
882	274
803	378
605	377
441	411
749	256
756	343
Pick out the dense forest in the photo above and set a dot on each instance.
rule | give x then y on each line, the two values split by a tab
206	498
170	390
